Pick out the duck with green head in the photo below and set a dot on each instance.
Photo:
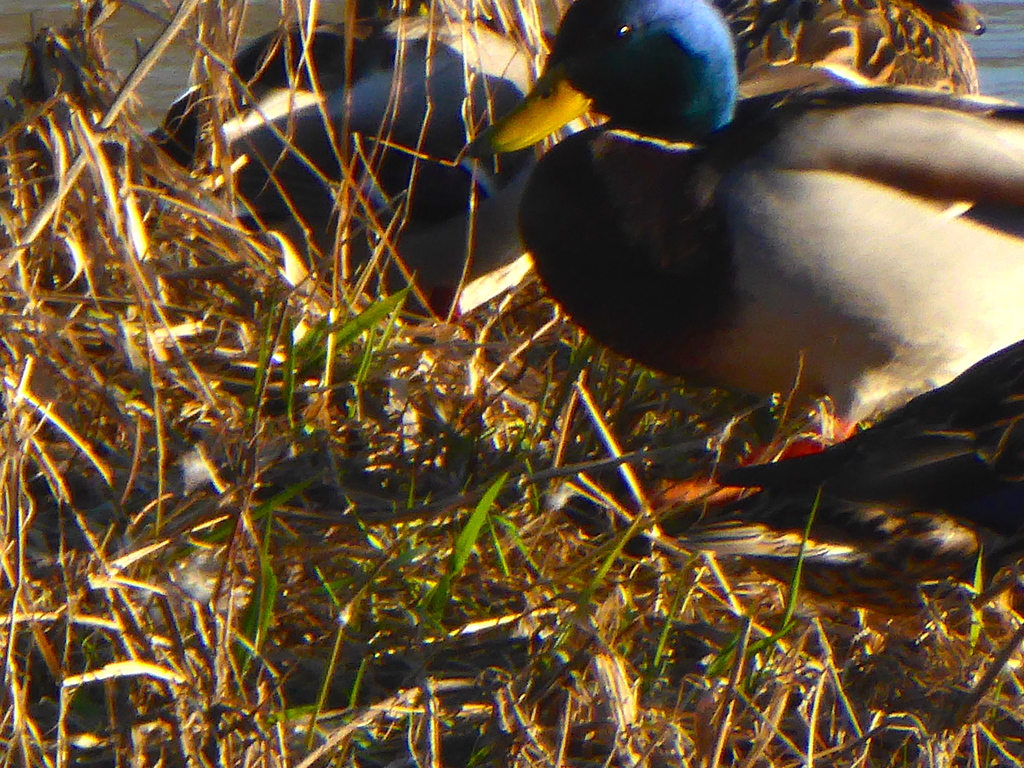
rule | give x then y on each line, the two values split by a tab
866	244
383	108
380	109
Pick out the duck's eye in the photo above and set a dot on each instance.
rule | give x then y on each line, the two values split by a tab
624	30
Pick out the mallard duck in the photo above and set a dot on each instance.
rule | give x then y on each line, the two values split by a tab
919	496
861	243
402	157
784	44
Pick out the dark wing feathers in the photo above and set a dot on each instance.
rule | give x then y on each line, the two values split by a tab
943	449
917	497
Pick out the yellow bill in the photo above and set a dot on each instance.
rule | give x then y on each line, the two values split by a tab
551	103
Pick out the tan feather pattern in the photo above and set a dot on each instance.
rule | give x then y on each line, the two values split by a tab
786	43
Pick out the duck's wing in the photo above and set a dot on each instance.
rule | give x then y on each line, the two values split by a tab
932	144
783	44
852	553
919	496
957	449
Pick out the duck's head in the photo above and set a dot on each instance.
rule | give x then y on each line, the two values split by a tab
662	68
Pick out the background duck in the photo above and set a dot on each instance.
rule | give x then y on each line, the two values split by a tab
920	496
398	116
783	44
859	243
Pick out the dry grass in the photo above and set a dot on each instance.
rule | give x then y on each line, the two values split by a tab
248	523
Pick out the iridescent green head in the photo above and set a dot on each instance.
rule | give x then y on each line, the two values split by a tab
661	68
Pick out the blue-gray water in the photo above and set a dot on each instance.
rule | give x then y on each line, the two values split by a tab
128	32
1000	51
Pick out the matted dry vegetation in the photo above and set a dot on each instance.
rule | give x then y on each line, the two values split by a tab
252	519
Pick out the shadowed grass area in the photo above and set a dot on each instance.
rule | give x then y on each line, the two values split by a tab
250	516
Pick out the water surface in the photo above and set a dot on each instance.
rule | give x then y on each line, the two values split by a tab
1000	51
129	34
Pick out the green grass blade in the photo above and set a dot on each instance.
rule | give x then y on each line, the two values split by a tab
368	318
260	612
438	597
